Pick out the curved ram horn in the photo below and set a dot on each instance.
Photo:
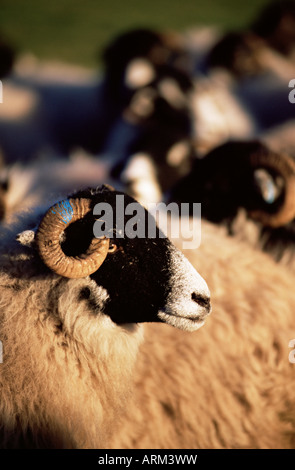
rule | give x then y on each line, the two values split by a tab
283	166
53	224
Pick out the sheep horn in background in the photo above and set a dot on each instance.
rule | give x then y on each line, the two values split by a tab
53	224
284	167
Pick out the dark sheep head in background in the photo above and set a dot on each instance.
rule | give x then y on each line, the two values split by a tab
276	25
7	56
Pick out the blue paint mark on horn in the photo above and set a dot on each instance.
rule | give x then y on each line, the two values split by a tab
65	211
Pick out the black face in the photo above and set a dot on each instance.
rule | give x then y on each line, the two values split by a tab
7	56
223	181
276	24
3	191
218	186
167	113
136	280
118	54
136	271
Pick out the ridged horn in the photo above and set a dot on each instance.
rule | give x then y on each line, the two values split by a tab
283	166
53	224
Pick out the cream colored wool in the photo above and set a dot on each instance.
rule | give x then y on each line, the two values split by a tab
67	375
65	372
230	384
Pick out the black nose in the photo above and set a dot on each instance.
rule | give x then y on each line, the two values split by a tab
202	301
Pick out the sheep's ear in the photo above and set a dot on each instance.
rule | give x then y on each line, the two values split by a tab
268	188
26	238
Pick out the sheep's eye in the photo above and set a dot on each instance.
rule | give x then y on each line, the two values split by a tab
113	248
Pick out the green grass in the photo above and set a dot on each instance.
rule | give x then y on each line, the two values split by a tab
76	31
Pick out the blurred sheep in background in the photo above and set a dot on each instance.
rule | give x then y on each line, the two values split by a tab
162	100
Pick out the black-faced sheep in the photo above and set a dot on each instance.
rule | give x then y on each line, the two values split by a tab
7	56
159	113
275	24
231	385
146	86
143	85
54	109
237	52
70	308
250	190
260	81
161	151
218	113
133	58
39	183
154	92
243	71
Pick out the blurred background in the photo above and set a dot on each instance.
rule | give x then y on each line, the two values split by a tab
168	100
77	31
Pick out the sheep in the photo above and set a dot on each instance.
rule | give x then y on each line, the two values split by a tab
134	72
217	112
249	189
245	55
238	52
241	91
55	108
160	114
144	81
243	69
71	307
231	385
7	56
132	58
56	115
43	113
3	192
154	93
275	24
266	97
161	152
25	185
